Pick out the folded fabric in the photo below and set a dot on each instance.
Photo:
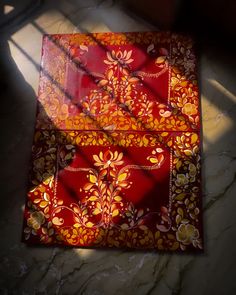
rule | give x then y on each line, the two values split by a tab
116	151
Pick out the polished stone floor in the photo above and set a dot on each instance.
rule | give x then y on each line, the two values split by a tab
38	270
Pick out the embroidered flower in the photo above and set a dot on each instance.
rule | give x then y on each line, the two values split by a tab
44	166
189	109
187	234
178	82
118	58
36	220
108	159
181	180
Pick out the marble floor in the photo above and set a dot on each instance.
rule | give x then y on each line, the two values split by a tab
38	270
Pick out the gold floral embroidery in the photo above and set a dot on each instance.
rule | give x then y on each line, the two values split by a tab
190	109
185	190
188	234
103	190
118	58
36	220
180	227
111	106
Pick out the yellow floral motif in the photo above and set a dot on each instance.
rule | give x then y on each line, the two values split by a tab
178	81
187	234
43	167
118	58
181	180
108	159
35	220
189	109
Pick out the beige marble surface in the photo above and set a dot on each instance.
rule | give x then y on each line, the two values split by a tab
26	270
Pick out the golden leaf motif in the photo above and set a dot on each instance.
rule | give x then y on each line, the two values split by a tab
115	213
117	198
133	80
194	138
178	165
164	134
124	184
76	225
96	211
184	83
36	201
122	176
110	74
188	152
57	210
46	197
178	219
84	212
43	204
57	221
68	156
160	59
76	210
93	198
175	246
157	235
88	186
44	230
103	83
180	197
181	212
92	178
145	141
89	224
153	160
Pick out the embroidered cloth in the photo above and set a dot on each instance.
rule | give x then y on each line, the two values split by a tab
116	150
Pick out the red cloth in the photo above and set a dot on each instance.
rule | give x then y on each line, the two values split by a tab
116	157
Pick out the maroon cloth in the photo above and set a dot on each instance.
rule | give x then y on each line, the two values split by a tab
116	157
